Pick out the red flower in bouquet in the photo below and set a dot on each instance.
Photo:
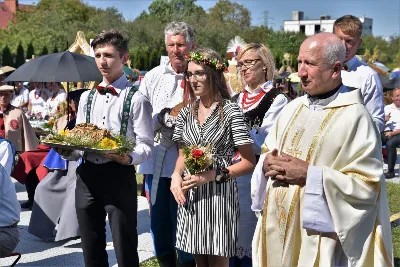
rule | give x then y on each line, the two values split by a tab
197	153
197	158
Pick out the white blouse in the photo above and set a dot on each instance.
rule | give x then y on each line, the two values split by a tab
54	100
38	99
20	99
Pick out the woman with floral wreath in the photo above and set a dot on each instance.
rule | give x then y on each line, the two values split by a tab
261	104
208	210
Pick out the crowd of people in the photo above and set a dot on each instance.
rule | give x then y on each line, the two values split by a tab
292	182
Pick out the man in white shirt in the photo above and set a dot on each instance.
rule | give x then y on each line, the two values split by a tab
357	74
391	135
9	205
106	183
20	96
163	86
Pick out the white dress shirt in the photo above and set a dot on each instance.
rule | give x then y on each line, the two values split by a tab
106	113
270	116
20	99
360	75
393	123
162	87
9	206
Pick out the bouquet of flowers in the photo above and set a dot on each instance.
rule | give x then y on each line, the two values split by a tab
89	136
197	158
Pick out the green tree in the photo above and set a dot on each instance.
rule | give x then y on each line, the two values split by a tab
55	50
136	59
284	42
30	51
161	52
44	51
6	57
231	12
20	58
144	60
53	22
154	60
166	11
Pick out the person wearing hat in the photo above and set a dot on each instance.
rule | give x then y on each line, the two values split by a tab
14	126
21	96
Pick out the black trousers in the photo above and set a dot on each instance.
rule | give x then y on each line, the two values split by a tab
31	183
391	146
103	189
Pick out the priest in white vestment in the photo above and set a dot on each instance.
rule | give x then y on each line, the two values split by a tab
319	183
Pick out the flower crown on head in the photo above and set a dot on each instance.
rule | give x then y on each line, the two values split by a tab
198	57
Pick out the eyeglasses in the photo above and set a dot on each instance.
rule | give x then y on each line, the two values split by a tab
198	75
247	64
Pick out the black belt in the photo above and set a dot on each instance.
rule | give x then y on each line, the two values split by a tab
15	225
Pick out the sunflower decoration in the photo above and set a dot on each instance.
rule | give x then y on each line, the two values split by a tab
107	143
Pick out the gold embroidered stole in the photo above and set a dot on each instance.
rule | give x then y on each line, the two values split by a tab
281	230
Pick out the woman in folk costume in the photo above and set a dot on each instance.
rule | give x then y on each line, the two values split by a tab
37	100
208	214
56	96
53	215
14	126
261	105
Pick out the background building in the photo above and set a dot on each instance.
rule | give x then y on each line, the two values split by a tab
323	24
8	8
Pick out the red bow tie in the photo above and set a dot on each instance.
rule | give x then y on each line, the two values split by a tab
106	89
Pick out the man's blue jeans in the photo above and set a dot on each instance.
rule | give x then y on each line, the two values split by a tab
164	219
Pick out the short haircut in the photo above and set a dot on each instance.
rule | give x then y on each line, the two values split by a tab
266	58
180	28
111	37
350	25
334	51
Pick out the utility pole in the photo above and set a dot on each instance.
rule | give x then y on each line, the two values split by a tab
267	18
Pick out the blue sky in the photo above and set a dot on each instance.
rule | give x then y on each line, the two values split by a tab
385	13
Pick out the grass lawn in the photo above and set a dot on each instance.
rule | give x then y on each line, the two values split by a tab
393	191
394	206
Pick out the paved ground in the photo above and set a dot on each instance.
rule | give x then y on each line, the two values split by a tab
69	253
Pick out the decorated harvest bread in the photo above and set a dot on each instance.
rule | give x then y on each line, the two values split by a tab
89	130
175	111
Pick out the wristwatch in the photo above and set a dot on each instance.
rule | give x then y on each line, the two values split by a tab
222	175
130	160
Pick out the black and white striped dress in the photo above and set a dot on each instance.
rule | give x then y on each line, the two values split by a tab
208	222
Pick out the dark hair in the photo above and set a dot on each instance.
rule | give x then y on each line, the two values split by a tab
216	81
111	37
350	25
